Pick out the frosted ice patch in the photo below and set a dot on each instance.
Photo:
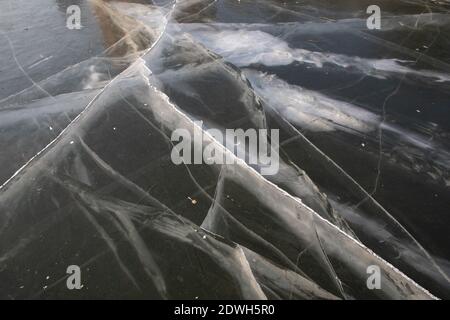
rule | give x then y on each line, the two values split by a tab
244	47
311	110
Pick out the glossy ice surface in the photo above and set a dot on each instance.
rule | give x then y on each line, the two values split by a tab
86	176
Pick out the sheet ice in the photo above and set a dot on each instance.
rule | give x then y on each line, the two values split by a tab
87	179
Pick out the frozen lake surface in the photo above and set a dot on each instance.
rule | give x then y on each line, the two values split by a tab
87	178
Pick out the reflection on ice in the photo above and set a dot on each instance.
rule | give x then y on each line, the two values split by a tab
87	177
